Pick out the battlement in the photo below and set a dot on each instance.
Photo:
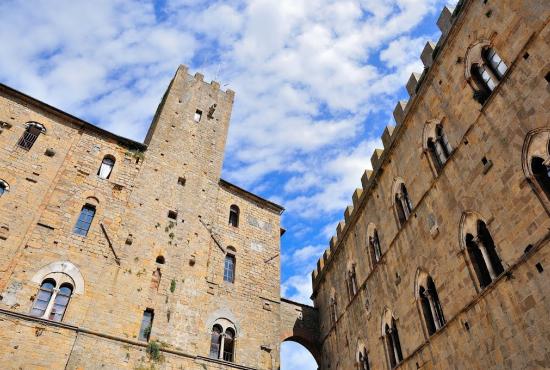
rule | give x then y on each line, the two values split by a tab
429	54
183	70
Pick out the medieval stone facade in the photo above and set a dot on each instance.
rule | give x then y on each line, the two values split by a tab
442	260
118	254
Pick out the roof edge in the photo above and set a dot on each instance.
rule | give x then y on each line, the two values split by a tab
271	205
10	91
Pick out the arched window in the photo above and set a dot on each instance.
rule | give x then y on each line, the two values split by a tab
375	250
536	163
541	173
234	216
363	360
222	340
485	68
431	307
351	282
32	131
61	302
4	187
51	303
333	312
438	147
160	260
229	268
393	345
84	220
42	299
483	255
228	345
215	341
403	205
106	167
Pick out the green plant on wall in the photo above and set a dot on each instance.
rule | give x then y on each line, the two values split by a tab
173	286
153	350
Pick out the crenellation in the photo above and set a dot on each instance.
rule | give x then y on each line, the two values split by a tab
387	136
333	243
340	230
427	54
399	111
348	213
444	22
412	83
365	178
376	159
356	198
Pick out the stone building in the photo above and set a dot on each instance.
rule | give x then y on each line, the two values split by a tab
118	254
442	260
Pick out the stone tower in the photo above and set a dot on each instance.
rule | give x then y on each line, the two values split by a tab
120	254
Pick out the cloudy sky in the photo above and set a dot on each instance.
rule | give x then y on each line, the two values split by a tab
315	80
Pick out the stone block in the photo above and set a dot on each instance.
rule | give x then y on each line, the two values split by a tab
413	83
427	54
387	136
399	111
444	22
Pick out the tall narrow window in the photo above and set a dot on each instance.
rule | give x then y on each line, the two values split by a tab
351	282
33	130
431	307
374	247
482	252
42	299
4	187
198	115
541	173
333	311
363	360
496	64
146	325
393	345
84	220
215	341
234	216
229	268
60	302
403	204
106	167
439	148
228	345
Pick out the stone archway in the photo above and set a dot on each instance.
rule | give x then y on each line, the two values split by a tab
300	324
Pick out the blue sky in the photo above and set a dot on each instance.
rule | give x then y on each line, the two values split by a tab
315	80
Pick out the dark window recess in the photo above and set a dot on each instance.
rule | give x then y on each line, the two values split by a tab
198	115
234	216
173	215
229	268
467	325
146	325
181	181
539	267
27	140
526	56
547	77
160	259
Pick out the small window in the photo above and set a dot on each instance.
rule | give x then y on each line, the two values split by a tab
198	115
403	204
234	216
44	307
173	215
84	220
431	307
363	360
146	325
106	167
229	268
483	255
160	260
393	344
374	247
4	187
33	130
181	181
541	173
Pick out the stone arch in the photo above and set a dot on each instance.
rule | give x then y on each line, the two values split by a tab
468	225
473	57
300	324
536	145
421	279
63	267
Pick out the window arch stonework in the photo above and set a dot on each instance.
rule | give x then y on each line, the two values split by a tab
428	301
536	163
479	249
435	145
53	296
223	339
401	202
484	69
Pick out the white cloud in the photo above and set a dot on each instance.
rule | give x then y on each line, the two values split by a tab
298	288
296	357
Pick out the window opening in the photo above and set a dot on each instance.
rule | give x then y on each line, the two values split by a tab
84	220
146	325
234	216
229	268
106	167
27	140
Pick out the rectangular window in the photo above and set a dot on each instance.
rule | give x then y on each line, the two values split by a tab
84	220
173	215
229	269
198	115
146	325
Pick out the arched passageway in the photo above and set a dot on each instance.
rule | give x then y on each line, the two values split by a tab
300	324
